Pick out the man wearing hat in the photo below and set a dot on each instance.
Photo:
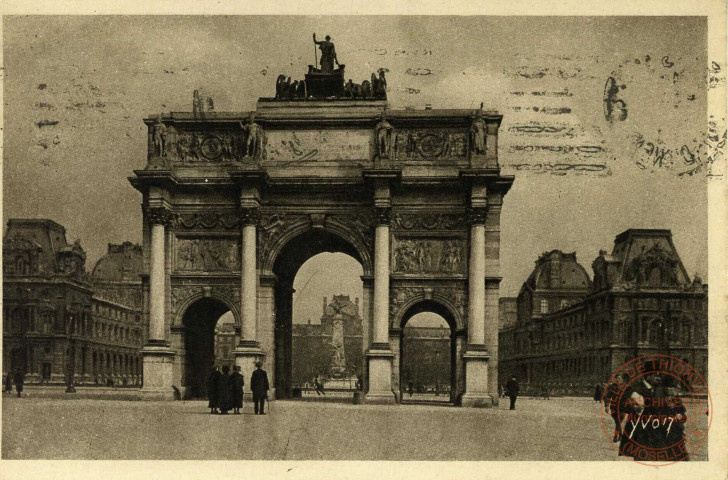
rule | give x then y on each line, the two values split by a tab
259	385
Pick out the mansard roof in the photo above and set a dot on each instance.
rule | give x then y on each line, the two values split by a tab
556	270
122	262
644	258
44	241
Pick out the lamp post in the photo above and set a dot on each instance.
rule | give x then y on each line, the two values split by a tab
437	373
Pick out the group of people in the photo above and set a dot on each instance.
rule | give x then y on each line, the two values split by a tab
225	389
645	415
18	379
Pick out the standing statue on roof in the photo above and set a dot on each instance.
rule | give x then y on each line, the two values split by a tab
254	137
328	54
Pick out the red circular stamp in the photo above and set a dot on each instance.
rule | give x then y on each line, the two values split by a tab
657	408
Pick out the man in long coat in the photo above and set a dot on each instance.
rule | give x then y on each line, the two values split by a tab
225	391
259	385
212	386
512	391
237	381
19	381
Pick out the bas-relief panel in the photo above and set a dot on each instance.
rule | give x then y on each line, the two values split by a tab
318	145
207	255
429	144
218	145
428	255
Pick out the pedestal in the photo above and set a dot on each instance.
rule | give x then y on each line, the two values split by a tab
380	377
476	380
246	354
158	372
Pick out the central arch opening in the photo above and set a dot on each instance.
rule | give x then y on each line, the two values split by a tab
427	368
319	327
209	339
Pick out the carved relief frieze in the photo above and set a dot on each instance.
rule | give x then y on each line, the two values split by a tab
362	224
207	255
234	143
430	144
654	267
398	296
456	297
228	292
206	221
181	293
427	221
428	256
272	226
218	145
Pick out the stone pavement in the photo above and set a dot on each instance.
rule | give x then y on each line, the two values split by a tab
51	428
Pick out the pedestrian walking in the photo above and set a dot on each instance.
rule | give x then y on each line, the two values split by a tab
19	380
225	391
237	381
597	393
259	385
410	388
512	391
9	383
212	386
318	386
611	398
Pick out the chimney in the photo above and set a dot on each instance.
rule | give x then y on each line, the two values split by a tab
325	304
356	302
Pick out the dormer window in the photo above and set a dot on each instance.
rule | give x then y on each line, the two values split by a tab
544	306
21	267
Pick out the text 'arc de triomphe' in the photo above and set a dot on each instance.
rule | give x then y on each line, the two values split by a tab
234	203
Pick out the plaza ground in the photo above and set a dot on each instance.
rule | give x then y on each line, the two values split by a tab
37	427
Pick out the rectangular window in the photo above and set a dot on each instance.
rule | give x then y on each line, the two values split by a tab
544	306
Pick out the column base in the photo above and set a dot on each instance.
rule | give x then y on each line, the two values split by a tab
376	398
380	376
476	378
476	401
158	361
246	354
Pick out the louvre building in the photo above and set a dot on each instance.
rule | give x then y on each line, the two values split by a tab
565	332
61	322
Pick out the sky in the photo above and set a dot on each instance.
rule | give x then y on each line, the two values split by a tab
77	88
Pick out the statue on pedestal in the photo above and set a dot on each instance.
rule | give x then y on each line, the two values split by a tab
160	138
328	54
477	134
254	137
384	137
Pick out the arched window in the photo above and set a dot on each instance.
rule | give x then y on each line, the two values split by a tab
544	306
656	332
21	267
687	334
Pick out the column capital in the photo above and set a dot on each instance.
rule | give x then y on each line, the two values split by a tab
250	215
383	215
476	215
160	216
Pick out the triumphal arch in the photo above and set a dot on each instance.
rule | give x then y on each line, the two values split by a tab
235	202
